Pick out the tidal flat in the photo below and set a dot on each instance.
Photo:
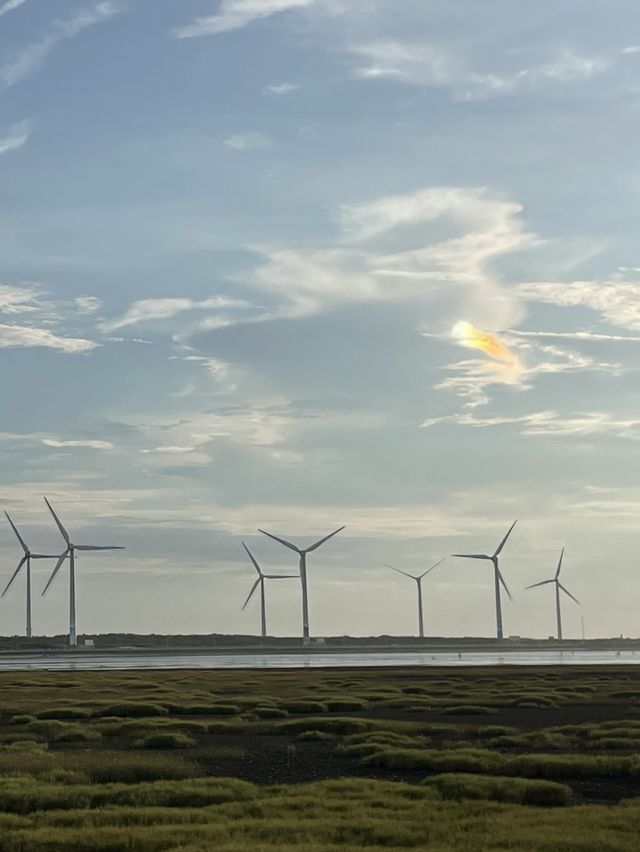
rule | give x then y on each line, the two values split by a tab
321	759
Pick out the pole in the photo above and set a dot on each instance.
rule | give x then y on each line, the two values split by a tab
420	617
263	609
558	615
73	640
496	577
28	596
305	602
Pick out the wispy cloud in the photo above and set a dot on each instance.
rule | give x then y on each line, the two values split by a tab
280	89
248	141
236	14
10	5
424	64
14	136
153	310
92	445
31	57
19	300
578	335
616	299
550	423
472	379
26	337
382	254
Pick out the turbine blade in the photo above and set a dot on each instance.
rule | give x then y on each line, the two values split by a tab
433	567
401	572
504	586
250	595
560	563
19	537
280	576
470	556
504	540
567	592
61	559
15	574
322	540
253	559
44	555
281	540
65	534
95	547
543	583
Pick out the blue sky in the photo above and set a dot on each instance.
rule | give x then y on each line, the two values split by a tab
234	239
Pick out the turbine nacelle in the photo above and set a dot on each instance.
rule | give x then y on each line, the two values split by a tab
71	547
261	576
417	577
28	555
301	550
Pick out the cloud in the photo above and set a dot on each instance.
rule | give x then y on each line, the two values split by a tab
222	372
434	245
151	310
10	5
19	336
248	141
32	56
616	299
633	48
280	89
93	445
424	64
87	304
18	300
472	378
551	424
578	335
236	14
15	136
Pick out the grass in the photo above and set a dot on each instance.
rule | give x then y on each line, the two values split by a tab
166	741
123	760
521	791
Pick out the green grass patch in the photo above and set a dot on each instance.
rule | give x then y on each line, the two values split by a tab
521	791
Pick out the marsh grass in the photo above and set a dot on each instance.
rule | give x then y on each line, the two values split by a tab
92	791
501	789
165	740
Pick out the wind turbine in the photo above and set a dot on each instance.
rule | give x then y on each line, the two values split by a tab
70	551
303	573
260	582
418	580
497	576
556	581
25	561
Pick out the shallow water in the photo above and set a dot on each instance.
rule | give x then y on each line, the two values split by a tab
86	661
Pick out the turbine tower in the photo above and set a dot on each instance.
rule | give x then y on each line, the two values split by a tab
25	561
497	576
418	580
556	581
260	582
302	552
70	551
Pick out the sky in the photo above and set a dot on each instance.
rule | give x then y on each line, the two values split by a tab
235	238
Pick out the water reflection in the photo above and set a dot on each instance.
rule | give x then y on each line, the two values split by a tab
95	661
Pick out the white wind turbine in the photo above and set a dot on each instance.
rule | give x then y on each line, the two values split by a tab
418	578
26	562
70	551
260	582
497	576
556	581
302	552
